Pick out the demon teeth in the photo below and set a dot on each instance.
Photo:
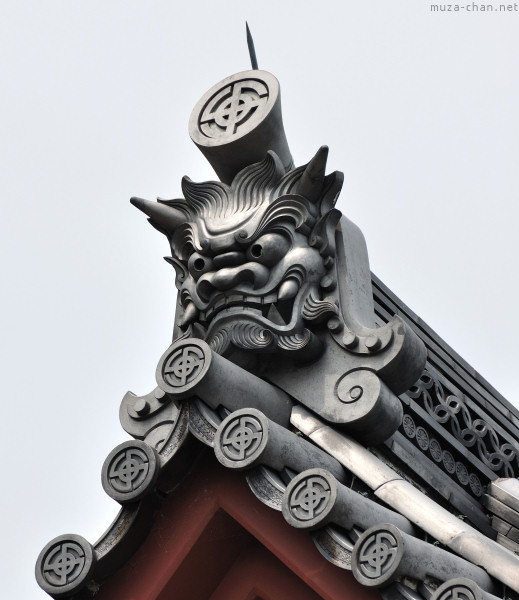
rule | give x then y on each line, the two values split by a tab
235	300
288	289
270	299
260	305
251	301
274	316
220	303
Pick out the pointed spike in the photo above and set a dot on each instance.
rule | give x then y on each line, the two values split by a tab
163	215
180	269
285	309
311	182
317	166
288	289
190	314
252	50
274	316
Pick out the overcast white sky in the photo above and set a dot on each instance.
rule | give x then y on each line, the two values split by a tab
420	110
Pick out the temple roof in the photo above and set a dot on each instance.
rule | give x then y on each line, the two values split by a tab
296	372
458	436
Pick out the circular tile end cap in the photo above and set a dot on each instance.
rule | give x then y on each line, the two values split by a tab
309	499
459	588
65	565
183	365
233	108
241	438
377	555
130	471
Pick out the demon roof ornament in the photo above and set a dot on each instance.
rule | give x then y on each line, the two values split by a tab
271	277
280	363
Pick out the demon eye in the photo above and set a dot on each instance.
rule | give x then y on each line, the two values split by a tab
268	249
198	265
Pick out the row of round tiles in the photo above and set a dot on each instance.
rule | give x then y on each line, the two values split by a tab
131	469
440	456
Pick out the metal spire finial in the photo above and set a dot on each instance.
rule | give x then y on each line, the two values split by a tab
252	51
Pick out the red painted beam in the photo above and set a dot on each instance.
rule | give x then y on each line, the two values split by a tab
198	534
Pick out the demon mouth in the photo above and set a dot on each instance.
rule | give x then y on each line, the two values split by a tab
272	307
277	306
275	309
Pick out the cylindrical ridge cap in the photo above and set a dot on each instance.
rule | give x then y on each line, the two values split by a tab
383	553
314	498
238	121
247	438
183	366
189	367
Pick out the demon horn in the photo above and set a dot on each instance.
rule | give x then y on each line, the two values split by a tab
312	179
163	215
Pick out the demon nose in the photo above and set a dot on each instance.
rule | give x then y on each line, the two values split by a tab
229	259
252	274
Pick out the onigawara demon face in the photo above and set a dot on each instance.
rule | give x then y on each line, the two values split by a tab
251	258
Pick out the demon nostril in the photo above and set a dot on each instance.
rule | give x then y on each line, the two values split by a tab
256	250
199	264
205	289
